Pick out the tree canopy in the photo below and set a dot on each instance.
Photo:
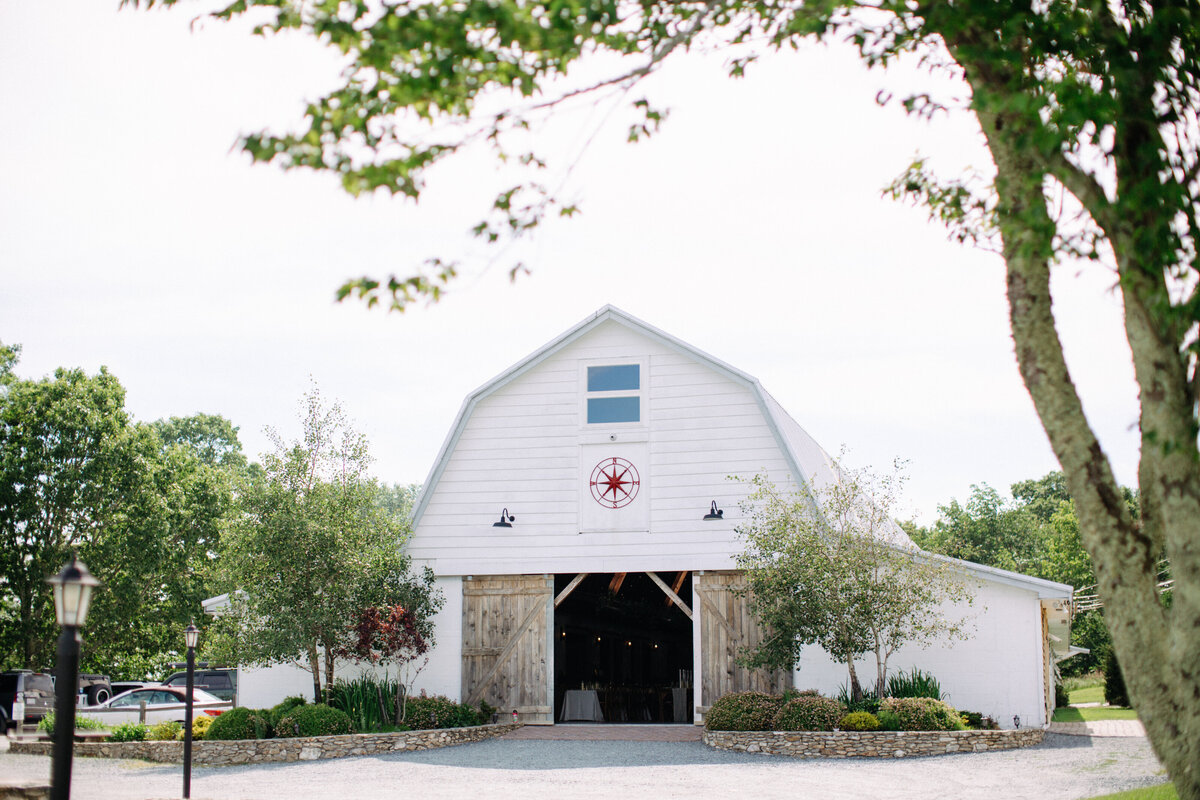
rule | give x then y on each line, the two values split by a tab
78	474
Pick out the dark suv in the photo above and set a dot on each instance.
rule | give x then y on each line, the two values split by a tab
25	697
221	683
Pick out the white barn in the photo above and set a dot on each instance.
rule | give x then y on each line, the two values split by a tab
570	520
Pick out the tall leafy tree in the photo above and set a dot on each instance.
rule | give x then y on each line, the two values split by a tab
823	568
311	549
213	439
987	530
64	472
76	473
1090	114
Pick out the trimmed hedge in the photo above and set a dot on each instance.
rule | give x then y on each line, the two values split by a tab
239	723
922	714
317	719
164	732
283	707
809	713
427	713
859	721
200	726
128	732
743	711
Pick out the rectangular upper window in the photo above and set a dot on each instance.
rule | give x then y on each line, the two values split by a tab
617	378
614	393
614	409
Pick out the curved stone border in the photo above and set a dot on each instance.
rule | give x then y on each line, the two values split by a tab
870	744
262	751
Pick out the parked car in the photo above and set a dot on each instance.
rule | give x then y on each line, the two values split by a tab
95	689
25	697
163	704
125	686
219	682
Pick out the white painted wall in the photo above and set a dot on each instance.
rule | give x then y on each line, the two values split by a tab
997	671
263	687
443	673
520	449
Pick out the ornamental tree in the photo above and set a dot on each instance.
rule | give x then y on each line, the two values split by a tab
825	566
1090	112
310	548
387	636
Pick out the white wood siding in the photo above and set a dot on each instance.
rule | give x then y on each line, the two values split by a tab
520	449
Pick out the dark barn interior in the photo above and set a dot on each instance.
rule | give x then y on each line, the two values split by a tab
620	636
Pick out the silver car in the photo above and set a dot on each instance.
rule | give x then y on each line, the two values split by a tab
162	704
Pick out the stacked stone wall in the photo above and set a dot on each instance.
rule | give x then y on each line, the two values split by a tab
261	751
870	744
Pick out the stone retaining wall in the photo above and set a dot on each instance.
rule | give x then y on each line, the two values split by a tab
260	751
871	744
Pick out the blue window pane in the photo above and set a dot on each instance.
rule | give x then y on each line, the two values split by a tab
620	378
614	409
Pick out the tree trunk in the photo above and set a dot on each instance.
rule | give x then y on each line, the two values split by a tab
856	692
1158	652
314	665
328	670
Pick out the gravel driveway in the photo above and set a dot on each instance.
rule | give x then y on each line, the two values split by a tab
1062	767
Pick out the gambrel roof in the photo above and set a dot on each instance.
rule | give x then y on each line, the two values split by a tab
805	458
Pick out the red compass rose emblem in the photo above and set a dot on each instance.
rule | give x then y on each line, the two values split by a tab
615	482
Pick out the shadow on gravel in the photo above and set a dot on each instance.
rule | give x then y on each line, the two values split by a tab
1061	741
547	755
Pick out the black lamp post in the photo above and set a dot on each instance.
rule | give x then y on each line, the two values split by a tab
191	635
72	596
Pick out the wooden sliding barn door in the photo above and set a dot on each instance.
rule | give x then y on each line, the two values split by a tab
726	626
507	623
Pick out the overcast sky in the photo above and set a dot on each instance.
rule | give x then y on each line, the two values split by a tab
752	226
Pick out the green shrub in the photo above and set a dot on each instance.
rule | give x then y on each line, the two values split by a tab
370	702
869	701
743	711
317	719
859	721
82	723
427	713
280	709
200	726
1060	695
977	721
1114	682
923	714
809	713
165	732
914	684
128	732
888	720
239	723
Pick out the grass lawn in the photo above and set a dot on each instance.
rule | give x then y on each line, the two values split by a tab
1072	714
1164	791
1090	694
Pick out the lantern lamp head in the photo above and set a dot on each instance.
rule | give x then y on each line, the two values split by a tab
73	593
714	512
1016	721
191	635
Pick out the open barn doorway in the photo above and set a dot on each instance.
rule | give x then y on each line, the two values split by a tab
623	647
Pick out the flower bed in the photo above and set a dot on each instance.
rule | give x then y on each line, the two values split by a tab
870	744
261	751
